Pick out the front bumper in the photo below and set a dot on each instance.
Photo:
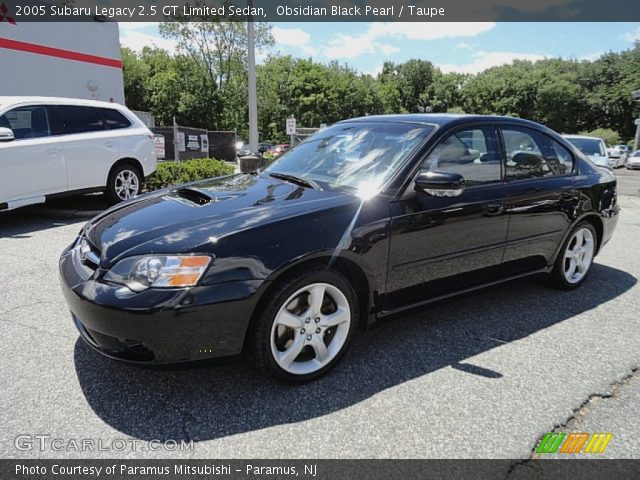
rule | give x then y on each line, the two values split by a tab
157	326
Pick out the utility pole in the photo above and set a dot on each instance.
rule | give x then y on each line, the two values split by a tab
636	142
176	147
253	101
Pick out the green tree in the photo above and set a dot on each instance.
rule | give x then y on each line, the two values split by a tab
413	82
220	47
135	74
447	91
609	136
204	84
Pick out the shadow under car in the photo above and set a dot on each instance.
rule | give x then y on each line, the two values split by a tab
216	401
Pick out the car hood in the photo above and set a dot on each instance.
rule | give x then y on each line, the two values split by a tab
192	217
602	161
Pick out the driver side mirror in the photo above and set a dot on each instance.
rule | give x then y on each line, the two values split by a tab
6	134
440	184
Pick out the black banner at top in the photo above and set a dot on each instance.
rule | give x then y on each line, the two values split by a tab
15	11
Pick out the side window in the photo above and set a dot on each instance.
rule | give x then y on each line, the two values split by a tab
531	154
564	157
75	119
27	122
471	153
114	119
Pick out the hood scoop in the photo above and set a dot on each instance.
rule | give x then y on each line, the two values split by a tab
197	197
193	196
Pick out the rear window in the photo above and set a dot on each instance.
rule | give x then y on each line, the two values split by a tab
114	119
72	119
589	146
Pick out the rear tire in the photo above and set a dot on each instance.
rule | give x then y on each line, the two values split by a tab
124	183
576	257
306	325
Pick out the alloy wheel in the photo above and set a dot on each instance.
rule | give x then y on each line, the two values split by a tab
127	184
578	255
310	329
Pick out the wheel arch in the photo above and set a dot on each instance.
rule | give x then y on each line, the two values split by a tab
346	267
591	217
127	161
596	221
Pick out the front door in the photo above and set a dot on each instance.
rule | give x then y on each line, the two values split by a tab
440	244
32	165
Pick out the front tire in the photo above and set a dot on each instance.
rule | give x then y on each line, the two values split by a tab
576	257
124	183
306	326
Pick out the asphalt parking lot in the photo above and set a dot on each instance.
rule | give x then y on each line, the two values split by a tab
482	376
628	181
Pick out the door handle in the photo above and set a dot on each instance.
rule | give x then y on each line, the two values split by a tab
53	150
493	209
110	145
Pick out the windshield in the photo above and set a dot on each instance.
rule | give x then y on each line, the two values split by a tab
589	146
354	155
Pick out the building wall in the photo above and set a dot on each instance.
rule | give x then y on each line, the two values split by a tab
66	59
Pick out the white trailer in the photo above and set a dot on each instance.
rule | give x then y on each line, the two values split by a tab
61	59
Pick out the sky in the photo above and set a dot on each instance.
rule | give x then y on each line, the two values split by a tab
458	47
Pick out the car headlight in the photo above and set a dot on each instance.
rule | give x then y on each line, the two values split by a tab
158	271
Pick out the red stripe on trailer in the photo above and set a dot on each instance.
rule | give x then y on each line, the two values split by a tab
59	53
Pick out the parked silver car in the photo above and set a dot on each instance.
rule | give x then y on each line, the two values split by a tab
618	155
633	161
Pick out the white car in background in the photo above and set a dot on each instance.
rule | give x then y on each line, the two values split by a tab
618	155
594	148
624	150
53	146
633	161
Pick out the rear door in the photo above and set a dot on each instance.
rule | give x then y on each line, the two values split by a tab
541	198
89	148
32	165
442	244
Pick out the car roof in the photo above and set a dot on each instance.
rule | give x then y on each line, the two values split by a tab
586	137
441	119
15	100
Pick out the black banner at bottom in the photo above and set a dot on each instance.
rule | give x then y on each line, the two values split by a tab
317	469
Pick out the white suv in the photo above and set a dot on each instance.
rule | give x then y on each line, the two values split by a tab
52	146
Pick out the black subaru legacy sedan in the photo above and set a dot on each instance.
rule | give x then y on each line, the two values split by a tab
367	218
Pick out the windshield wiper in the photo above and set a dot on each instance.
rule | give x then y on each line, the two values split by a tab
297	180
